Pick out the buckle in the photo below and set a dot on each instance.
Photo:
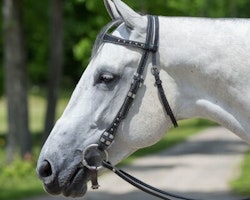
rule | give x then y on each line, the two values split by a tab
155	71
139	78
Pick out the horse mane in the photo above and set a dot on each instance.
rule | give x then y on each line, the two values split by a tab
103	32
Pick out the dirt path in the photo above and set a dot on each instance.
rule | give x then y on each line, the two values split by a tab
200	167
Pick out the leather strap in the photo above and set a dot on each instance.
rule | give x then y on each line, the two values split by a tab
133	181
144	186
109	134
141	185
94	178
155	71
116	40
162	95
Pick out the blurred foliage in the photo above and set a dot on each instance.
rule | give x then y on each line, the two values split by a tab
1	60
83	20
241	185
19	178
36	21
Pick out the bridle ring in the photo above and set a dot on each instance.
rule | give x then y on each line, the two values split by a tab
85	162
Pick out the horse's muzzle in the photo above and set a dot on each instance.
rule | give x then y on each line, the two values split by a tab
58	179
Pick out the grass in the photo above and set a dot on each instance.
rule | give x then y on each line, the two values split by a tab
19	180
3	115
241	185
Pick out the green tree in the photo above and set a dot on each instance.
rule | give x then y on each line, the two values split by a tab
36	23
55	62
15	79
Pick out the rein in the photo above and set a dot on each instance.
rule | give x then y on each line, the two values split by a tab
99	150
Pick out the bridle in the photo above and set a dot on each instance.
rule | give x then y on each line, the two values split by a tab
107	138
150	46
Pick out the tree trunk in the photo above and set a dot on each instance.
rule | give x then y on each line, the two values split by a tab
204	9
55	62
15	79
233	8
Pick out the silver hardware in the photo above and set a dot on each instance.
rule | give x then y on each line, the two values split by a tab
85	162
132	95
111	137
106	133
94	187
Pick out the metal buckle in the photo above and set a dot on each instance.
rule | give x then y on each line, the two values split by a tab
155	70
138	77
95	148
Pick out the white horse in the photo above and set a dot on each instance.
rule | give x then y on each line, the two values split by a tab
205	70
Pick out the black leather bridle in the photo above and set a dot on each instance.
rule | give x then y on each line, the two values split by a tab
150	46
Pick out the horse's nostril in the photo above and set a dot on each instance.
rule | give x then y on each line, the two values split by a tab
45	169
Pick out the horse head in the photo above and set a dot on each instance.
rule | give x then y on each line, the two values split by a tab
95	103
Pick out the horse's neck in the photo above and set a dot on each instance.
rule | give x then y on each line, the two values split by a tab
207	65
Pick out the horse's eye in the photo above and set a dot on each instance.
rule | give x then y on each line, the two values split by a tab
106	78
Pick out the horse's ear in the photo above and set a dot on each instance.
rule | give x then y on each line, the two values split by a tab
110	6
129	16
